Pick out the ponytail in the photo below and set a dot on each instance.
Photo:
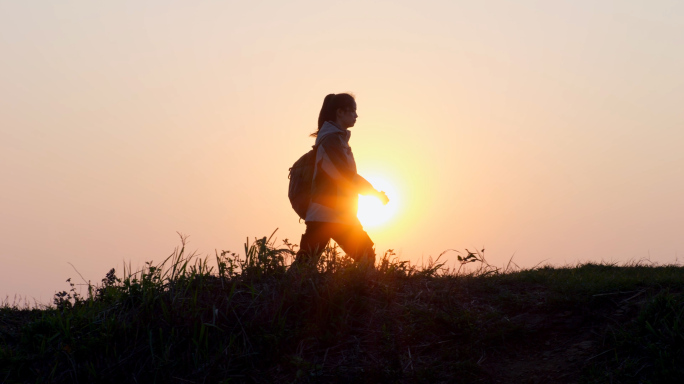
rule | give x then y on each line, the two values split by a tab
331	104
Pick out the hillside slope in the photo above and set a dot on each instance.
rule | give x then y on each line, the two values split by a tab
246	320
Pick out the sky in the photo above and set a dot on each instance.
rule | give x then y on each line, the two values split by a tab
546	132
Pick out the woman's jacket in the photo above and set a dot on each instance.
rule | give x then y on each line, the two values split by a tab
336	185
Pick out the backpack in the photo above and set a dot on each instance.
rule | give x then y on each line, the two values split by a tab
301	180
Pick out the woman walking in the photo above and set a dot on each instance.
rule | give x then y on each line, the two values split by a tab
335	188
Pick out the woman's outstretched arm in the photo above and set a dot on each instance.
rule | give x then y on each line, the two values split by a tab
366	188
341	170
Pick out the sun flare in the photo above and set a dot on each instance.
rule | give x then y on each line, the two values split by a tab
372	213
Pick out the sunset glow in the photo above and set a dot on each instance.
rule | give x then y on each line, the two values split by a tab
546	130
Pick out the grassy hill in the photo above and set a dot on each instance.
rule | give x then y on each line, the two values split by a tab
245	319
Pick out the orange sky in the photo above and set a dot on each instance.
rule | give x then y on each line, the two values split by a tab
551	131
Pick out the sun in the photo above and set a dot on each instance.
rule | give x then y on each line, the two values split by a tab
372	213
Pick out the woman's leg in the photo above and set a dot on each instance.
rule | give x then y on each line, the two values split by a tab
355	242
313	242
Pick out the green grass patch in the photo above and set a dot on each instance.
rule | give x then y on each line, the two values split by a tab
235	319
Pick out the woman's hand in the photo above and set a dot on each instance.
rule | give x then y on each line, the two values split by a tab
382	196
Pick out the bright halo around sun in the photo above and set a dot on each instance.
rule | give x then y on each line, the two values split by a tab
372	213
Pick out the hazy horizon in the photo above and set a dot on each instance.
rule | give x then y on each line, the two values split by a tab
547	132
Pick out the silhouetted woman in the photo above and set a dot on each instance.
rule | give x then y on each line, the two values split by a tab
336	188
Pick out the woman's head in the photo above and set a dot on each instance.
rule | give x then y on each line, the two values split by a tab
339	107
